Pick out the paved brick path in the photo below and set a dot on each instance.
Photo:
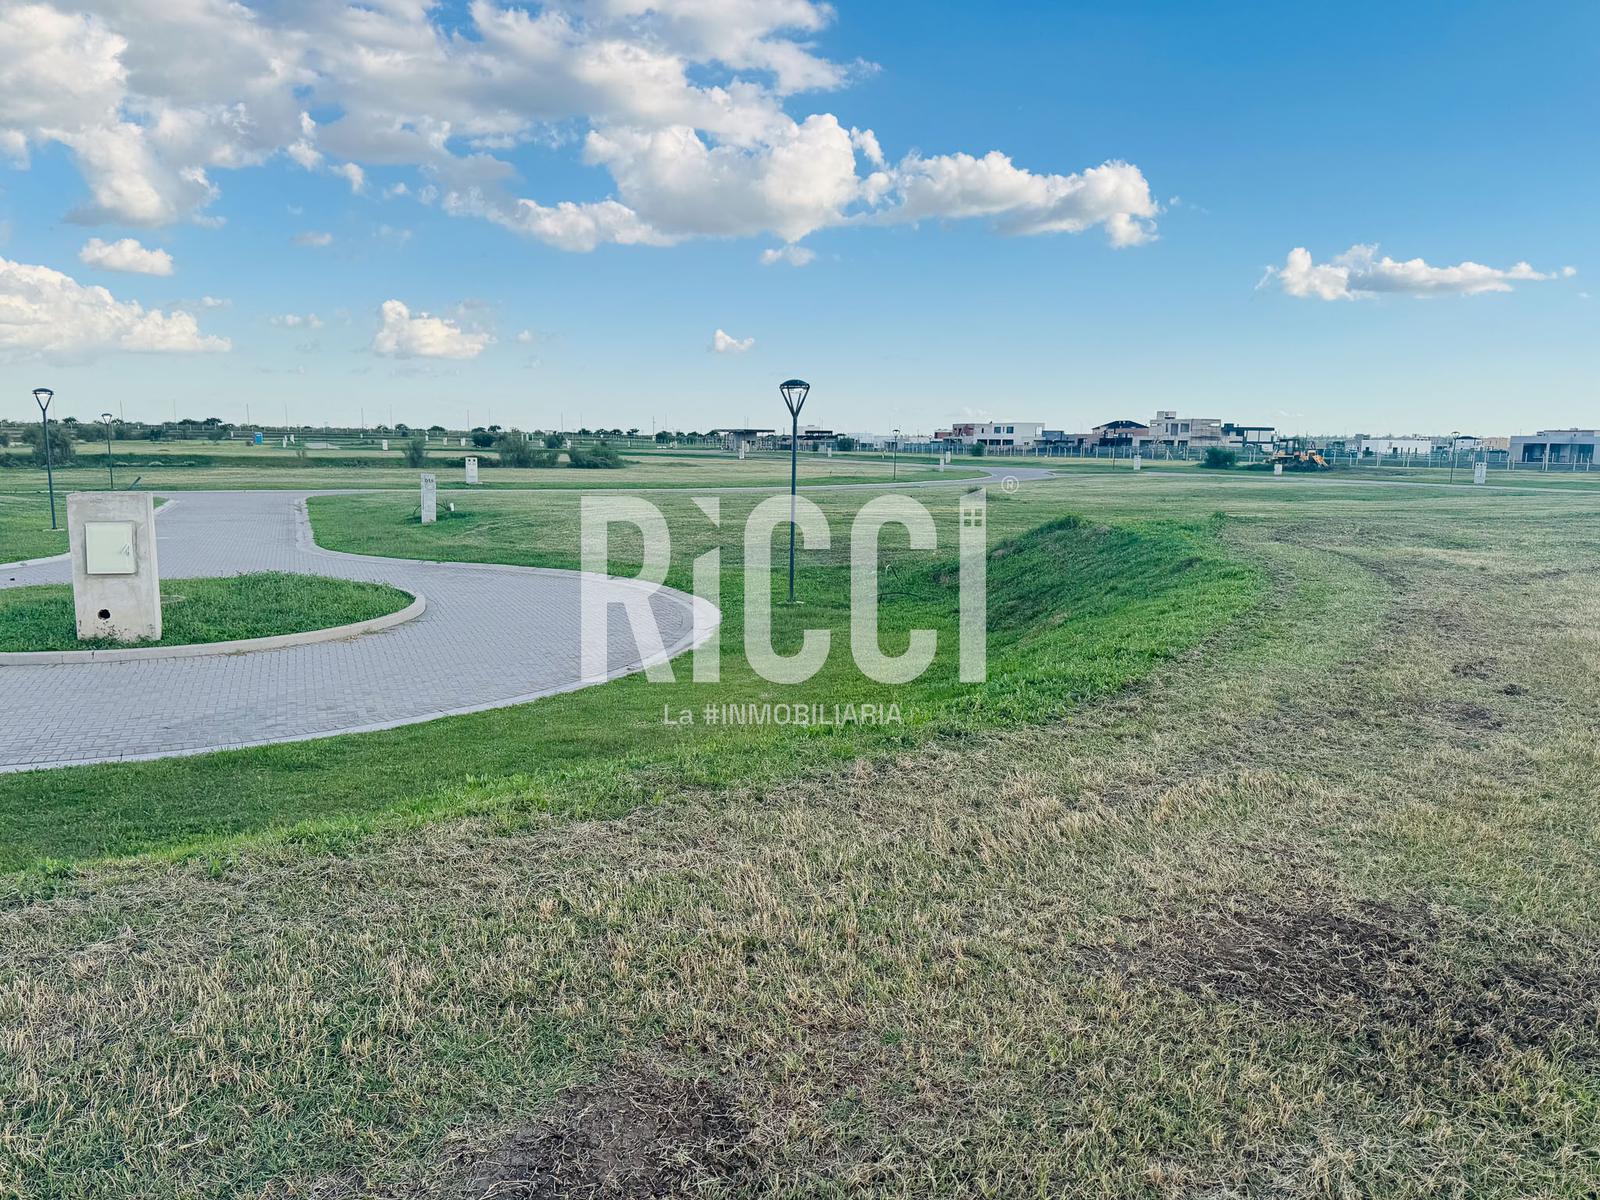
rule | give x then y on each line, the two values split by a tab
491	636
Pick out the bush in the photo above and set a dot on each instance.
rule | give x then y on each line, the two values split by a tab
1219	459
977	449
62	451
483	440
416	452
554	441
515	450
603	458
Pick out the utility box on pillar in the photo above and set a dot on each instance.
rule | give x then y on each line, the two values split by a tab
116	580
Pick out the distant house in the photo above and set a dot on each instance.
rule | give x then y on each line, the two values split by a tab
1021	435
1116	435
1552	447
1180	433
734	439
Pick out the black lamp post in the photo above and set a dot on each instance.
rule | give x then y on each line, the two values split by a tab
1455	439
894	464
42	397
794	392
111	469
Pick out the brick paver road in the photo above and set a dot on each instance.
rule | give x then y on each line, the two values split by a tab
491	636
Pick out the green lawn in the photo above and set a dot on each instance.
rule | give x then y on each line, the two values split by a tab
202	467
1077	609
263	604
1308	911
25	527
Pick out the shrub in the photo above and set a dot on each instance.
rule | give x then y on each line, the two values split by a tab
416	452
483	440
1219	459
554	441
602	458
977	449
62	451
515	450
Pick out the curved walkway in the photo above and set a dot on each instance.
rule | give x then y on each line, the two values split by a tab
491	636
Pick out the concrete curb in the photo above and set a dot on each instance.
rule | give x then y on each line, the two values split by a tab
52	658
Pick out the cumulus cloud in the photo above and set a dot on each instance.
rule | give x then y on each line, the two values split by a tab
1359	274
297	321
724	343
683	103
795	256
46	313
403	335
312	238
125	255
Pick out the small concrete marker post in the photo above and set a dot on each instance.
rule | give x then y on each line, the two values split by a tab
741	451
1277	468
1138	462
830	451
463	441
116	579
430	498
1480	472
385	443
472	469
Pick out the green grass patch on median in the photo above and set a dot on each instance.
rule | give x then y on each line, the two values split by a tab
262	604
1078	608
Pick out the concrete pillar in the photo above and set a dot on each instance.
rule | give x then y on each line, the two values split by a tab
116	579
472	469
430	498
1277	468
385	443
1480	472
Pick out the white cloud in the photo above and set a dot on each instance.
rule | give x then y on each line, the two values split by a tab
1359	274
43	312
125	255
682	102
954	186
312	238
724	343
795	256
214	302
422	336
353	175
526	337
296	321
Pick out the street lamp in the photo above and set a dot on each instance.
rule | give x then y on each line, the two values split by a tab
894	464
794	392
42	397
111	469
1455	439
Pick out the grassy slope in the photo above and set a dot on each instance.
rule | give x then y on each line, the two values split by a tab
1311	914
25	528
605	750
263	604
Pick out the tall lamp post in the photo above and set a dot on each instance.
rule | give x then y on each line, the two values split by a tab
111	468
42	397
794	392
894	464
1455	440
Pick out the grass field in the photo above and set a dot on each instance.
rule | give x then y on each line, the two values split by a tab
1309	910
262	604
175	471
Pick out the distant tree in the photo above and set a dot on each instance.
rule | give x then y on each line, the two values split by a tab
1219	459
416	452
436	429
483	439
494	429
663	437
977	449
845	443
603	458
515	450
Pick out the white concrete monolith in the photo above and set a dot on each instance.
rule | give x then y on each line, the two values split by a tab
385	443
741	451
116	580
1277	468
430	498
463	441
472	469
1138	462
1480	472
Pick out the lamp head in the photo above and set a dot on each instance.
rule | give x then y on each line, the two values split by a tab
42	397
794	393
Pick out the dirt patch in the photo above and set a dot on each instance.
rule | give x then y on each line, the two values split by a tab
635	1135
1371	970
1295	961
1465	714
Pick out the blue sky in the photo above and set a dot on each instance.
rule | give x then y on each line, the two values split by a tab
938	287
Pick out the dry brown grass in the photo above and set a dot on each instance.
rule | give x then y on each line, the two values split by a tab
1277	922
